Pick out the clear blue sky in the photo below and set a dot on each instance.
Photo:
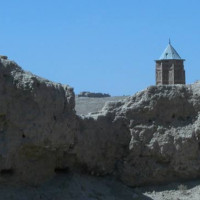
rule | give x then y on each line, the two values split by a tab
100	45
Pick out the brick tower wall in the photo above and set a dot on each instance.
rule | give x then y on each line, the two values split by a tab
169	72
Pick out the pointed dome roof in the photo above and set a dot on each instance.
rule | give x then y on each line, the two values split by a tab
170	53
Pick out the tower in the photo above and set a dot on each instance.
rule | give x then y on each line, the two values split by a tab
170	68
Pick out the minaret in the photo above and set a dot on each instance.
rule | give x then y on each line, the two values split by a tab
170	68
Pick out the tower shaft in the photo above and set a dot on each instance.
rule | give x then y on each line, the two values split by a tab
170	72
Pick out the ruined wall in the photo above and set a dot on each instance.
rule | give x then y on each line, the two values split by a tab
37	119
161	126
150	137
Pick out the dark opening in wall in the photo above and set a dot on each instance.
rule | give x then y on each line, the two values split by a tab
55	118
5	75
173	116
38	85
60	170
23	136
7	172
188	117
2	117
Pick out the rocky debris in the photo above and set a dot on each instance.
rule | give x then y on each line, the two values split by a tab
93	94
3	57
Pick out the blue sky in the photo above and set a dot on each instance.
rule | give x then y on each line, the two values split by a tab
100	45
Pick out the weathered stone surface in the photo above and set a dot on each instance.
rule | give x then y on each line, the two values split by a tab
150	137
164	127
37	119
102	144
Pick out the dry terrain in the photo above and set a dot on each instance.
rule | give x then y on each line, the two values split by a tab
83	187
85	105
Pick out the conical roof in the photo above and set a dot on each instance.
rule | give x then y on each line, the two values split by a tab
170	53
